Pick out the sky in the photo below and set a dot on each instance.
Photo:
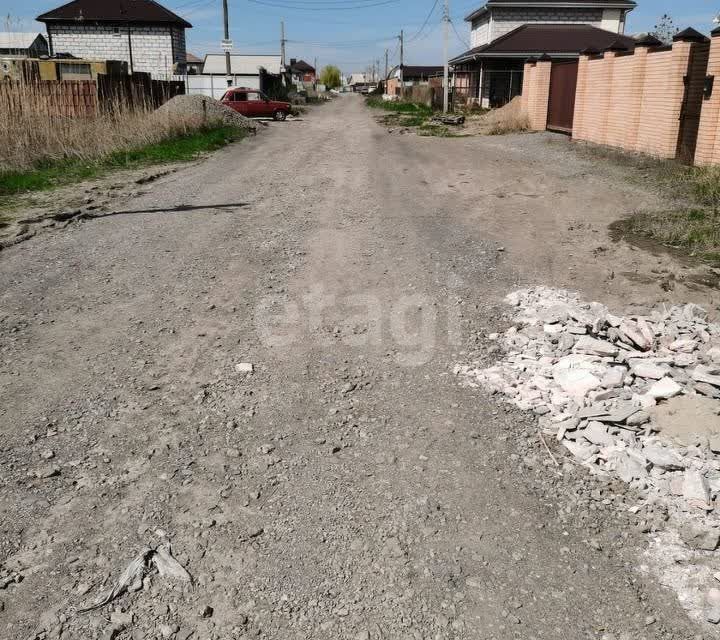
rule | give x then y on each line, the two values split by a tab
349	33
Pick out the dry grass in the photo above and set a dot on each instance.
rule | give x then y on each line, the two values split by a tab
690	219
32	136
507	119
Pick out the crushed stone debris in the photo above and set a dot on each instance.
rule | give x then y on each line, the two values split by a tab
204	107
597	381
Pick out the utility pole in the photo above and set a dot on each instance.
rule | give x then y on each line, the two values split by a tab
446	37
387	52
228	62
316	73
402	63
282	43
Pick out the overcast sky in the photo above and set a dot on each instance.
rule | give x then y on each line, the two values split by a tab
351	33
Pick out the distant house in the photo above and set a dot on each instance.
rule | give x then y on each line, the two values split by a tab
23	45
246	70
504	33
149	37
357	81
194	65
301	72
260	72
411	76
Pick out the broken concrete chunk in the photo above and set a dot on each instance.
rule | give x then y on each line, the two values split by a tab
244	367
595	347
597	433
709	375
700	538
696	491
649	370
664	389
684	345
638	419
632	332
614	378
663	458
629	466
708	390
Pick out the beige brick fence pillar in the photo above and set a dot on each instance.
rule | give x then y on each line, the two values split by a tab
708	142
540	92
581	93
636	89
527	86
609	100
693	50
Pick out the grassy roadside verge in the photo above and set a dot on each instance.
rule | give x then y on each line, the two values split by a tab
52	174
410	115
690	221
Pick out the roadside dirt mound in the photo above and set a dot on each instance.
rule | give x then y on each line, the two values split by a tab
204	107
506	119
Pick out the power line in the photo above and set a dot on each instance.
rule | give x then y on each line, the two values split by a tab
287	4
459	37
427	19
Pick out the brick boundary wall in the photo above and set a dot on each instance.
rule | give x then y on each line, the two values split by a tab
648	101
639	102
536	92
708	141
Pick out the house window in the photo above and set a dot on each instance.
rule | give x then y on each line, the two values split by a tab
116	31
74	71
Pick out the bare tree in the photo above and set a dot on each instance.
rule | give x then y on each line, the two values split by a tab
665	29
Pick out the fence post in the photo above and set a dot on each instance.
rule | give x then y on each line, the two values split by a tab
636	91
707	151
581	93
609	56
527	86
540	92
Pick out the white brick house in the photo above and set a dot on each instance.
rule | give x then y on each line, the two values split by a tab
142	33
498	17
491	71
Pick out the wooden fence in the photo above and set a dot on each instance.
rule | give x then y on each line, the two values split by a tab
86	98
73	99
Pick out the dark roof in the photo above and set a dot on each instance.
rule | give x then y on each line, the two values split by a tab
192	58
535	39
604	4
301	65
136	11
410	72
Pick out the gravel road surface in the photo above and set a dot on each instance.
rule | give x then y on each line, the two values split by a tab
349	487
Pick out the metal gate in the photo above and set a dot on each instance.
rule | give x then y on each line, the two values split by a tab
561	104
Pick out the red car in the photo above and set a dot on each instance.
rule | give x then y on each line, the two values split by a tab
255	104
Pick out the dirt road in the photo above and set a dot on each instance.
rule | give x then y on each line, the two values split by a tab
349	487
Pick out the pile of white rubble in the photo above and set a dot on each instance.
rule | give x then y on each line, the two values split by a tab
593	377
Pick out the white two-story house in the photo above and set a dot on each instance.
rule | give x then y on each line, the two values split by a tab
505	33
143	33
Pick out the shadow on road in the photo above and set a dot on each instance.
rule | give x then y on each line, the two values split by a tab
183	208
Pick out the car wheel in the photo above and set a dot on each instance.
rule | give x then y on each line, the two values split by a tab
280	115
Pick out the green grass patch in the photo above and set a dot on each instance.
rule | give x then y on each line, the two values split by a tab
400	107
437	131
49	175
696	232
691	221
